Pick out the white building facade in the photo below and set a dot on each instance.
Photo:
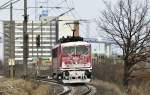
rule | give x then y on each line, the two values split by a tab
48	37
49	30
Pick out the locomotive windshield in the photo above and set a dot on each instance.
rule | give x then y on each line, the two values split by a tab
82	50
77	50
69	50
76	56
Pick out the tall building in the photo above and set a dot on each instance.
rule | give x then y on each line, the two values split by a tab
49	31
47	34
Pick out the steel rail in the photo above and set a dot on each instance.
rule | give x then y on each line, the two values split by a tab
91	90
66	90
88	91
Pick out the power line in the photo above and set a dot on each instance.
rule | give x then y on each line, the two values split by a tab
14	9
15	1
51	7
54	18
70	3
73	5
60	3
68	7
8	4
58	8
39	7
53	11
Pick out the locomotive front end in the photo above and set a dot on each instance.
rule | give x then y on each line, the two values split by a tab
76	63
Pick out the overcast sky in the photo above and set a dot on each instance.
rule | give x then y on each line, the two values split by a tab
84	9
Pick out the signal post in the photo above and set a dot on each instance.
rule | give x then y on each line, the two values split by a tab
38	59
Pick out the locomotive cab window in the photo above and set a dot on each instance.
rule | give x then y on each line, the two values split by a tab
68	51
82	50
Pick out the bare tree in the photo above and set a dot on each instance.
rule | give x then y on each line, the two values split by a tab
126	24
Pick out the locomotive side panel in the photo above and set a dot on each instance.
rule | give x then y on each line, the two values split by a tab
56	60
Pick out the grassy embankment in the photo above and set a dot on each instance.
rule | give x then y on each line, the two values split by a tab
108	80
22	87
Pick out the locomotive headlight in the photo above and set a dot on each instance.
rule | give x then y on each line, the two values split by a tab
66	73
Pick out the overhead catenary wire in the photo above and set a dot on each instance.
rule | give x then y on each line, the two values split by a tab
76	15
60	3
68	7
55	7
60	10
70	3
54	18
50	7
52	12
38	7
55	11
8	3
73	4
74	12
13	9
4	6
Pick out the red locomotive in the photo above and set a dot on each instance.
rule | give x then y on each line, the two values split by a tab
71	62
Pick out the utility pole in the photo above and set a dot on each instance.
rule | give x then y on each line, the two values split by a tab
11	59
25	39
38	60
57	29
41	42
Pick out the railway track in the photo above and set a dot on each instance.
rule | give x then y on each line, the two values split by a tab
82	90
91	90
72	89
66	89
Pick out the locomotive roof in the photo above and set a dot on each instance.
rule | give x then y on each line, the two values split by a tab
72	44
75	43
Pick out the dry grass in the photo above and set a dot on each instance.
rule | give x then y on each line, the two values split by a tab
108	80
109	88
108	72
106	88
41	90
21	87
141	89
